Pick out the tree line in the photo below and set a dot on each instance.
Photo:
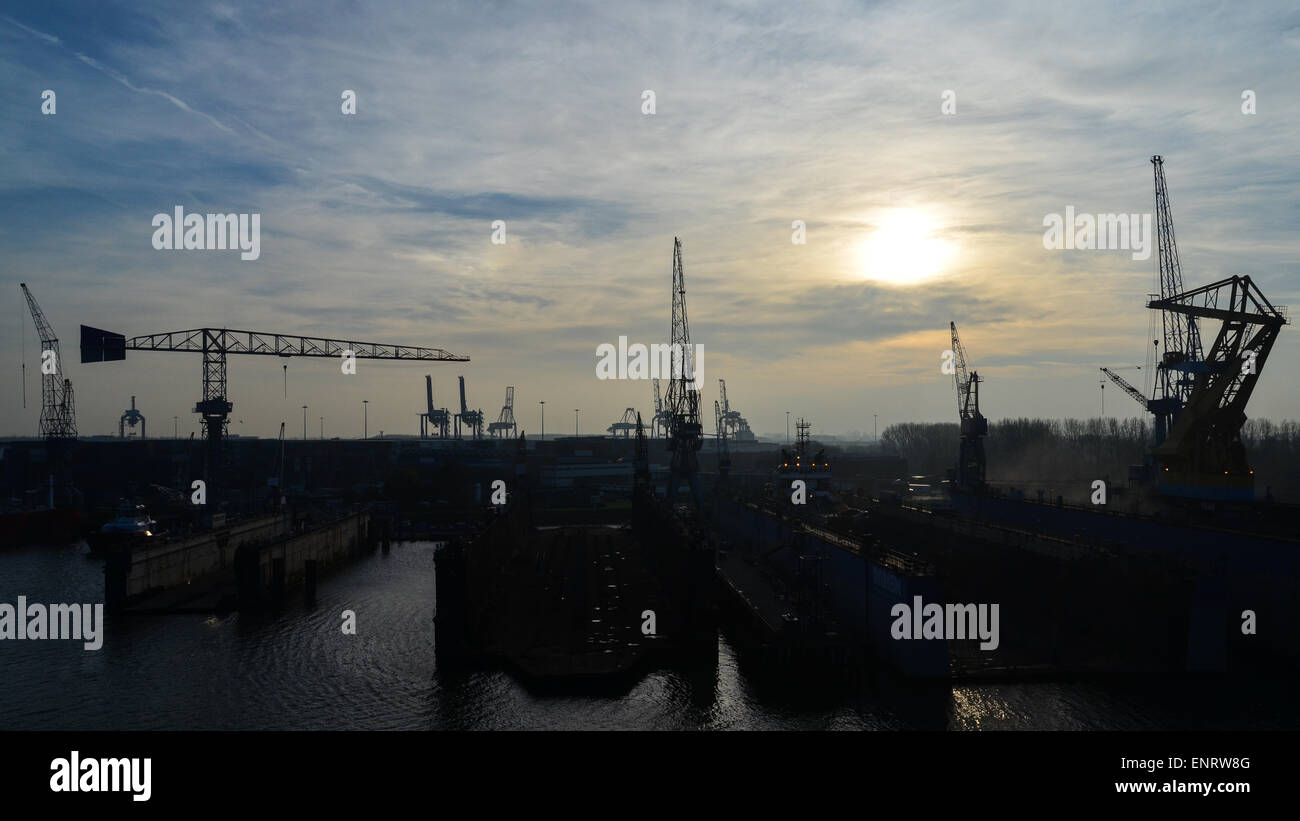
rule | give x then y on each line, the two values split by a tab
1041	450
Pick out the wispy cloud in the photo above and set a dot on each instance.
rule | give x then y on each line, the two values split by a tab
378	225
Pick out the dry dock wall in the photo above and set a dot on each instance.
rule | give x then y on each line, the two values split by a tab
130	574
256	556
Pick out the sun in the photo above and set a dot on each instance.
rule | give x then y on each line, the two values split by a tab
903	250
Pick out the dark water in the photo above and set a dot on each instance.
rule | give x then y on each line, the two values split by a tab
297	670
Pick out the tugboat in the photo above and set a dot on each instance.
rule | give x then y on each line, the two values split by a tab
814	471
133	523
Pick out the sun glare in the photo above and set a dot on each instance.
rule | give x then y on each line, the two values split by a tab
903	249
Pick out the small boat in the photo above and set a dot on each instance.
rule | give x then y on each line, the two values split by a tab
133	523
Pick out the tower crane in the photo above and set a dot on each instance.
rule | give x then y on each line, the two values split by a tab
974	427
58	412
216	344
683	405
505	424
1181	358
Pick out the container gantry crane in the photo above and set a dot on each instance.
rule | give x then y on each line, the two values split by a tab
433	418
626	424
505	424
473	419
131	417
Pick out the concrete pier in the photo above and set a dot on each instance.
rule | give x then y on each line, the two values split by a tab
244	565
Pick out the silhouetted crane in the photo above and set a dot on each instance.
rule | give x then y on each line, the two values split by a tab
974	427
58	412
505	424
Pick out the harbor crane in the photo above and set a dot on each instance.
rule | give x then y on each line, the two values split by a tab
737	425
626	424
473	419
974	427
438	419
720	431
1182	359
642	483
217	344
1203	456
505	425
683	406
659	423
130	418
58	410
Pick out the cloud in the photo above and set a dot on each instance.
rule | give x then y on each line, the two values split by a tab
377	226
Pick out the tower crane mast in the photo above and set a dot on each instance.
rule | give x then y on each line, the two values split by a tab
971	464
683	399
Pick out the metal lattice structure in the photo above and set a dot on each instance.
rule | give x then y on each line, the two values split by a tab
215	344
58	408
1127	387
626	424
1181	358
659	424
683	404
971	464
737	426
720	431
505	423
1203	456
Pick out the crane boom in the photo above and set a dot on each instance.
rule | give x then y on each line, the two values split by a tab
1128	388
272	344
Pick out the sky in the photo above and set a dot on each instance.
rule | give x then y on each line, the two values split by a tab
921	146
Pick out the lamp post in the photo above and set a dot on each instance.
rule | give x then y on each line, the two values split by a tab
575	421
175	429
787	427
322	428
304	423
365	419
543	404
874	435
